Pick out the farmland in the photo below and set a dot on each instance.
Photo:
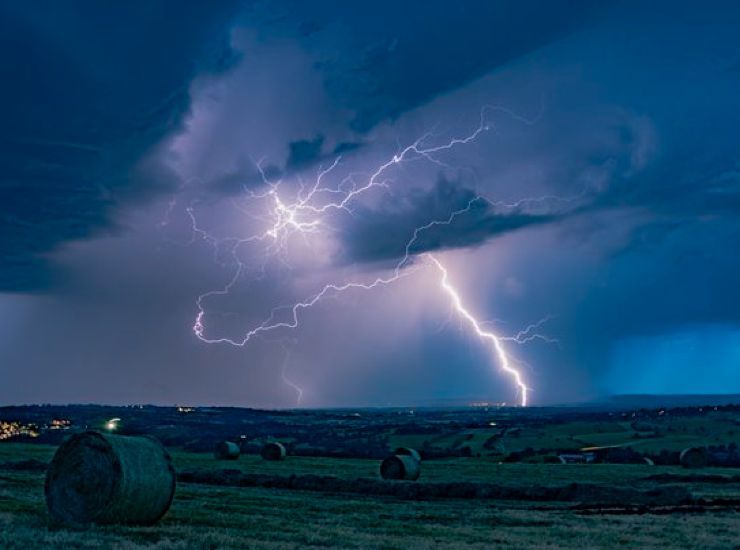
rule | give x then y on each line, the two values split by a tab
495	493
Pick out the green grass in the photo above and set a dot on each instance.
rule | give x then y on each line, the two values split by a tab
204	517
482	469
210	517
217	517
10	452
676	433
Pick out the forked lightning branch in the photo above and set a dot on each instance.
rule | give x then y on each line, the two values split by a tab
305	215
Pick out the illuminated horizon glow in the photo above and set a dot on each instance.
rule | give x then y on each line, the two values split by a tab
302	216
500	352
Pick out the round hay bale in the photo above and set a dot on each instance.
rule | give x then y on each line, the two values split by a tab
408	451
400	467
103	478
226	450
273	451
693	457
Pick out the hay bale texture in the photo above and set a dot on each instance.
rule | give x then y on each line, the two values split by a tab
408	451
693	457
103	478
273	451
226	450
400	467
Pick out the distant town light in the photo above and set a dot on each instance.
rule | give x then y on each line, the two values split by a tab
112	424
11	429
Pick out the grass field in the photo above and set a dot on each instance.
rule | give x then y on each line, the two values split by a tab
672	433
204	516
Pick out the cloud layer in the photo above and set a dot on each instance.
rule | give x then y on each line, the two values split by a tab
88	91
609	177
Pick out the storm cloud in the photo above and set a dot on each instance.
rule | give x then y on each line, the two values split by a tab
451	217
384	58
88	90
84	105
604	196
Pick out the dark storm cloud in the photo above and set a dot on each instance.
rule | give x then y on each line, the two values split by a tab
304	152
308	152
671	193
384	58
88	88
678	265
383	233
640	110
302	155
347	147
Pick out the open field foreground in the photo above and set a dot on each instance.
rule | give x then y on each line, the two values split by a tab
207	516
480	501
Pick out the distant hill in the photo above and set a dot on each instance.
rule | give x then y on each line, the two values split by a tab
623	401
689	400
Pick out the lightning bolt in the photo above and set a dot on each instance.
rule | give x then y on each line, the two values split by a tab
284	375
529	333
495	341
304	215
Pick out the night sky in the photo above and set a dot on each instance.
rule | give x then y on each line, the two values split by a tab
574	165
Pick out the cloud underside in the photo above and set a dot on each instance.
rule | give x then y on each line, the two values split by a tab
91	97
390	57
451	216
81	105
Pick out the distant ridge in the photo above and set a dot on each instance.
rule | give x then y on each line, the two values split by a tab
618	401
661	400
